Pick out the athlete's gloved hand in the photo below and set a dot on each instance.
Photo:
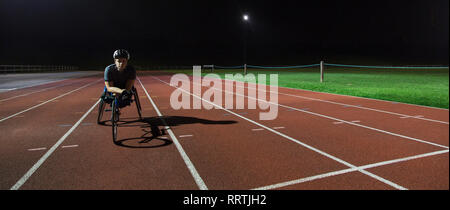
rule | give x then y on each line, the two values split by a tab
126	95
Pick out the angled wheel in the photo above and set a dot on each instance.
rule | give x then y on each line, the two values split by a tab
114	119
101	109
138	104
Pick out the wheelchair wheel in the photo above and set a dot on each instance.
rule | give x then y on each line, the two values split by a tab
101	109
138	104
114	119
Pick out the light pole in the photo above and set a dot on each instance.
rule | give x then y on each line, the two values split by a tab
245	18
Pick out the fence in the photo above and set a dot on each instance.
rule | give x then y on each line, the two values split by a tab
35	68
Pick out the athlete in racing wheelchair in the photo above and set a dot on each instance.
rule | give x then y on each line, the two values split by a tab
119	90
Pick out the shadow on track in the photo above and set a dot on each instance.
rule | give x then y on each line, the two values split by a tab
152	132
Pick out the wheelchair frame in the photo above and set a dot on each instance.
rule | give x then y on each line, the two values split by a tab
116	111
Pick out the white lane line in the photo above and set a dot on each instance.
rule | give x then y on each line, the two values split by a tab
276	128
339	172
50	151
339	120
298	142
355	121
355	106
70	146
198	180
338	123
38	105
37	149
257	129
417	116
348	105
183	136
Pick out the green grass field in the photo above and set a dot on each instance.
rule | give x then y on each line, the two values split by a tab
429	87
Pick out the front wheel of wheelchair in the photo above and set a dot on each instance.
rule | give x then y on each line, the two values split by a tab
114	119
138	104
101	108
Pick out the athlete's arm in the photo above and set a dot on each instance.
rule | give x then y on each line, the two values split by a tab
110	87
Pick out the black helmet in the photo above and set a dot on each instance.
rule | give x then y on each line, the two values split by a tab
121	54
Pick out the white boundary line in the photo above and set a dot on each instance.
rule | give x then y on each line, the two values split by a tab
299	142
50	151
198	180
334	173
38	105
339	120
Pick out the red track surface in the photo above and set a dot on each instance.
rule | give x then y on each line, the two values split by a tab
313	146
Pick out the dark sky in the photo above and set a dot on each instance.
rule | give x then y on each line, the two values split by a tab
184	32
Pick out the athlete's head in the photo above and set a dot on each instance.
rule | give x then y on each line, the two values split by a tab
121	58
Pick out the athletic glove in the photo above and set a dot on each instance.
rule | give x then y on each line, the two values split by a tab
126	95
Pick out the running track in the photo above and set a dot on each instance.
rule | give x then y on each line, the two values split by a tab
50	140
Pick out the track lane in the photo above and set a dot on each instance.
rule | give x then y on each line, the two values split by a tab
97	163
22	105
299	148
410	127
230	155
223	164
387	145
40	128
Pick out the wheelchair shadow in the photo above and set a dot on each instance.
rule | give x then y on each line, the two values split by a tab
153	136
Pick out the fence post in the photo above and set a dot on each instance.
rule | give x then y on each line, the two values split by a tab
321	71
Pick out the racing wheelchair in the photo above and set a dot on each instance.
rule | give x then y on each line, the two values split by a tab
117	102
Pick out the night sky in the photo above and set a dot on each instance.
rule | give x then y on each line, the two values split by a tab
184	32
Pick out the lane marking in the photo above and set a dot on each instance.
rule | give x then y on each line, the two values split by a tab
37	149
257	129
33	169
198	180
276	128
339	120
355	121
183	136
417	116
339	172
70	146
354	106
38	105
299	142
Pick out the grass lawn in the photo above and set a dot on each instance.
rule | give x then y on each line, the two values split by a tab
429	87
